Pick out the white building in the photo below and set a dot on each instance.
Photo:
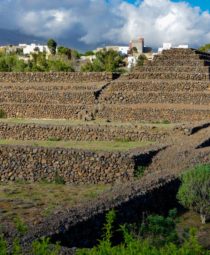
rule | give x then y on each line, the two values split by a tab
168	46
132	61
123	50
32	48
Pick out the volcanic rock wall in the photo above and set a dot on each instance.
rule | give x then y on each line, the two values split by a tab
73	166
82	132
174	87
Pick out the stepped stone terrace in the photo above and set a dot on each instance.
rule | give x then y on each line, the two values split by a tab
133	134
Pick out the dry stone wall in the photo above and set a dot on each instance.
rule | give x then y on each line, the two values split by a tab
82	133
44	97
169	75
157	85
152	113
61	98
47	111
73	166
56	77
52	86
127	97
179	62
174	87
185	69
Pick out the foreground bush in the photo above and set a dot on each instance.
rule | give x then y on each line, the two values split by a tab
194	192
136	245
40	247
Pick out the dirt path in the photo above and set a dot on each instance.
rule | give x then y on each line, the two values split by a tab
182	154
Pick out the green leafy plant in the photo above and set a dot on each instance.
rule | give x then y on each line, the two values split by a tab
58	179
160	230
136	245
141	59
43	247
20	225
165	122
52	45
205	48
3	246
194	192
139	171
2	114
106	60
54	139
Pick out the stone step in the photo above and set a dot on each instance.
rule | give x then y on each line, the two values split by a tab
176	51
56	77
94	86
175	113
134	97
178	62
44	111
169	75
186	69
184	52
157	85
55	97
177	57
81	132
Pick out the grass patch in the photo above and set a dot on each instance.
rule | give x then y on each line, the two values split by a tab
54	139
35	201
101	122
88	145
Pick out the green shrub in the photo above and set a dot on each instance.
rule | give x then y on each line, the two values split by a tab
165	122
139	171
2	114
141	60
135	245
20	225
160	230
59	179
39	247
194	192
3	246
54	139
43	247
123	140
106	60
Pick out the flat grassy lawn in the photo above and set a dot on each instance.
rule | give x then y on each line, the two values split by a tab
33	202
87	145
80	122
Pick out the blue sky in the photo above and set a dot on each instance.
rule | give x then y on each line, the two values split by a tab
203	4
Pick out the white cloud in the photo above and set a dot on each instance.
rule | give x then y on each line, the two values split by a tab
114	21
164	21
47	23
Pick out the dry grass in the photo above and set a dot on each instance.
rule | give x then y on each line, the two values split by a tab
32	202
190	220
87	145
79	122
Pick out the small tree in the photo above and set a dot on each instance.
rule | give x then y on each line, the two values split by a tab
52	45
141	60
194	192
205	48
64	51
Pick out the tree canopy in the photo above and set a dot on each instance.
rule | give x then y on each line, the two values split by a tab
106	60
205	48
52	45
